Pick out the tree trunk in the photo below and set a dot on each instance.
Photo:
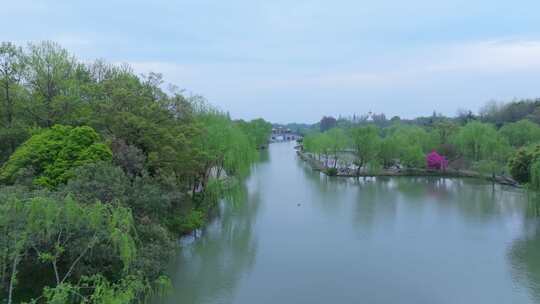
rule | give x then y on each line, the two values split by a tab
326	160
9	107
56	275
12	279
360	165
9	116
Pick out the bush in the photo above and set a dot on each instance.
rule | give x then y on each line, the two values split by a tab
436	161
130	158
331	171
186	223
158	249
148	197
519	165
98	182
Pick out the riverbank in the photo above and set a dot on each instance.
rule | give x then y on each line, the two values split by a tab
290	221
348	172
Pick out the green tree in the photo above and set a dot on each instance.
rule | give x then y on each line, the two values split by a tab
99	181
171	156
51	154
258	131
445	131
412	135
11	72
535	174
478	140
519	165
366	144
521	133
62	234
327	123
521	161
54	79
389	151
412	156
337	142
320	144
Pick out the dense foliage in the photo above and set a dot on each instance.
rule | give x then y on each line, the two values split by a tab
101	171
50	155
500	140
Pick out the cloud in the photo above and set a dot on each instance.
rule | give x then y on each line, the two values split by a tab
419	66
442	77
496	56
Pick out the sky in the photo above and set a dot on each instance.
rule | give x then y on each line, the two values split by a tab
297	60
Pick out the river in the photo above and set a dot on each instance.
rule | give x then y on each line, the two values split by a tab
296	236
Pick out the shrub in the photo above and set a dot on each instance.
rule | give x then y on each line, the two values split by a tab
98	182
130	158
436	161
187	222
519	165
331	171
148	197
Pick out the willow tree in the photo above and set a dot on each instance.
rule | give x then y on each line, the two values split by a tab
409	135
482	144
337	141
320	144
477	140
521	133
223	146
366	144
311	145
258	131
13	244
62	234
389	151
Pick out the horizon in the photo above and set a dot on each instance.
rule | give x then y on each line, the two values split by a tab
278	60
210	152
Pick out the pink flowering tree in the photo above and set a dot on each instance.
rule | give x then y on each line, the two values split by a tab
436	161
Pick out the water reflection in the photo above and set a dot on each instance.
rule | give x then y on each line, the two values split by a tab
524	254
211	266
297	236
264	157
377	201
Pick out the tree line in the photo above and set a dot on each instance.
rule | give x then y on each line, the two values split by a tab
501	140
100	171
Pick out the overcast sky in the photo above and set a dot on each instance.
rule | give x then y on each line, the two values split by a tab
297	60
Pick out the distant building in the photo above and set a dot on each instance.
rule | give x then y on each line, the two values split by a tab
283	134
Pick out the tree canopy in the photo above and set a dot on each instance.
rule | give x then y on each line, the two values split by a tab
139	165
51	154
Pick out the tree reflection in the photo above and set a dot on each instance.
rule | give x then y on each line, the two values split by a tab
209	269
524	254
525	260
376	199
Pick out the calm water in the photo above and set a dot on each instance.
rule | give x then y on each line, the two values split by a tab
385	240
